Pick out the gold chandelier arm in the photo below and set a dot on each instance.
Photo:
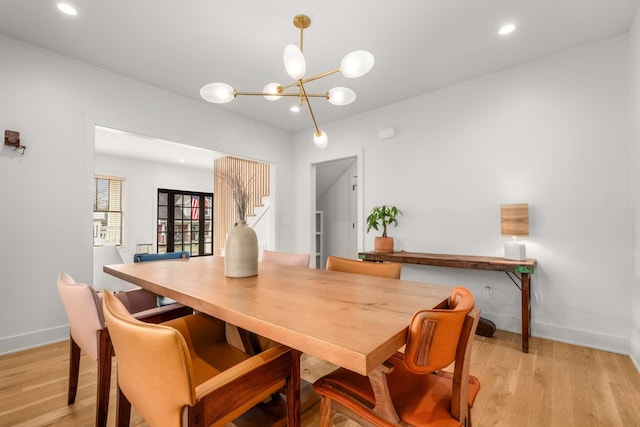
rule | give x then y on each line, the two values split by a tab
290	86
319	76
311	95
310	79
306	98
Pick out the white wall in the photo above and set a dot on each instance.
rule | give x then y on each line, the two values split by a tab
634	73
553	133
45	212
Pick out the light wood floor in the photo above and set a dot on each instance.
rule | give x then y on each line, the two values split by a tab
555	384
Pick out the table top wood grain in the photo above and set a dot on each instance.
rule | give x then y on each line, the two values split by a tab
351	320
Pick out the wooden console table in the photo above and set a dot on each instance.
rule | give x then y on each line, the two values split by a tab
512	268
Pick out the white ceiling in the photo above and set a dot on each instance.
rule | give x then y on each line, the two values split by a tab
419	45
123	144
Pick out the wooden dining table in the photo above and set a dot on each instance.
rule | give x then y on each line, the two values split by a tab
351	320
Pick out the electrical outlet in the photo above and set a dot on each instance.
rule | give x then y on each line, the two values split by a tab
487	291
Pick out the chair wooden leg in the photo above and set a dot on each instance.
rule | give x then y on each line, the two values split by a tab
325	412
74	370
123	410
105	353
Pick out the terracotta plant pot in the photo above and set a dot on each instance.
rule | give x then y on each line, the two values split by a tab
383	245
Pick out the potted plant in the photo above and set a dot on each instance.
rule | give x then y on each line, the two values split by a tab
382	216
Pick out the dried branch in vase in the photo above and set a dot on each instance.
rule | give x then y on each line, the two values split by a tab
240	190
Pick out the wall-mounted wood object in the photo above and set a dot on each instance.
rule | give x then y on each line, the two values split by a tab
12	139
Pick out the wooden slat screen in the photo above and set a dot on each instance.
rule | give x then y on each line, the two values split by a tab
224	210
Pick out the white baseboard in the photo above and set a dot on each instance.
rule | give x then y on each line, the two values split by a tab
583	338
33	339
635	354
557	333
580	337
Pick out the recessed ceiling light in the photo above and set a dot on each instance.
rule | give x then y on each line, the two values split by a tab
295	109
507	29
67	9
181	160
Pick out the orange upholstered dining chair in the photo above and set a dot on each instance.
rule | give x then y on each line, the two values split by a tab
412	382
184	373
390	270
284	258
88	333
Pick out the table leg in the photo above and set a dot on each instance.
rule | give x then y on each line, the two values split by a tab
293	392
384	405
526	311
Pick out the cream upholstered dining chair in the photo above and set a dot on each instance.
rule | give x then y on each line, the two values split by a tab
88	333
412	382
382	269
284	258
184	373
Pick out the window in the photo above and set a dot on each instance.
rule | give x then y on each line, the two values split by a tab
185	222
107	211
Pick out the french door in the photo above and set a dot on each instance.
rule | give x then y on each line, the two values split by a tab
185	222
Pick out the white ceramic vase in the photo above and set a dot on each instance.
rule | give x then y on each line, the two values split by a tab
241	252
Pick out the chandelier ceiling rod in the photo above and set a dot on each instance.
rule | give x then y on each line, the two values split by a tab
302	22
354	64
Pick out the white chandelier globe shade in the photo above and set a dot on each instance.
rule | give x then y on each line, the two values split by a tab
341	96
356	64
321	141
218	93
294	62
272	88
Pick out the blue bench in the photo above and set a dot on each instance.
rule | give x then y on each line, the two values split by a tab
158	257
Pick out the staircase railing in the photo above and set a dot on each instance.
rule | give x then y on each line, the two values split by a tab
257	174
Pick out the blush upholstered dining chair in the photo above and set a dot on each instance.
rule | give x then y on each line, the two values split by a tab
88	333
284	258
258	342
184	373
390	270
412	382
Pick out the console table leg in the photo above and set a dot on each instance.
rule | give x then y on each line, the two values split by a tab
526	311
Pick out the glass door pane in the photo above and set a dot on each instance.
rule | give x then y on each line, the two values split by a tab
163	221
184	222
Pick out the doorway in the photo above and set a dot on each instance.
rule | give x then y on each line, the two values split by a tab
336	210
145	165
